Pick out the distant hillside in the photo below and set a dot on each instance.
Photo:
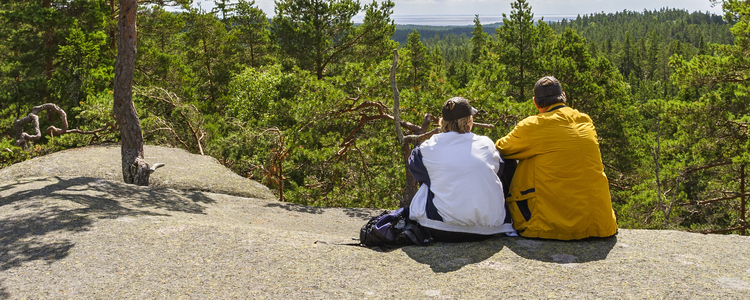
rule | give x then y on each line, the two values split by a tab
428	31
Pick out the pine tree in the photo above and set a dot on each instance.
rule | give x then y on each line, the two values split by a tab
628	57
251	31
159	58
479	40
320	34
518	46
418	58
207	41
651	57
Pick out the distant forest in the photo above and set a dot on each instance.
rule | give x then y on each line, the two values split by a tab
427	31
303	102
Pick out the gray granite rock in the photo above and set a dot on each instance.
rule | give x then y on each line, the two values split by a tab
69	228
182	170
83	237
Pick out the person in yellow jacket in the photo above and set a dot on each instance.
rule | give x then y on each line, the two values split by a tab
559	189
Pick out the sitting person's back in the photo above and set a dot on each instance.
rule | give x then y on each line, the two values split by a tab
461	197
559	189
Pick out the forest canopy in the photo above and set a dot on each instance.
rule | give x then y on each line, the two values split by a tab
302	101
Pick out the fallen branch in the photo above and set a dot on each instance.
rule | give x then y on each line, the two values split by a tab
746	226
419	137
33	117
424	136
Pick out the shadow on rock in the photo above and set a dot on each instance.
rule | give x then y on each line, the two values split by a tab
449	257
102	196
38	213
360	213
562	252
3	293
23	236
297	208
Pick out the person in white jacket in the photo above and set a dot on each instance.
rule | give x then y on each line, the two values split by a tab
461	196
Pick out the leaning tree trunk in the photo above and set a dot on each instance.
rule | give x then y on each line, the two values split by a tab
135	170
410	188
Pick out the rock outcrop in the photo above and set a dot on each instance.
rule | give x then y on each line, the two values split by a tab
72	235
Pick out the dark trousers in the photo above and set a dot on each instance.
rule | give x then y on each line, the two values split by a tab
455	237
506	176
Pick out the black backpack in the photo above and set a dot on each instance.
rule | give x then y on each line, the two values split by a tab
393	228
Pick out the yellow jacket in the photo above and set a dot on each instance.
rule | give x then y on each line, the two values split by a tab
559	190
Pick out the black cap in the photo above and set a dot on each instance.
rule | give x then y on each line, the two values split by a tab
548	87
456	108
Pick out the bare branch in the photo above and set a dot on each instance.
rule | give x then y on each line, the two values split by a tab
428	118
33	117
174	101
718	164
424	136
704	202
394	88
420	137
745	226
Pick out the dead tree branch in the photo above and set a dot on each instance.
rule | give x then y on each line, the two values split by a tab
704	202
427	135
718	164
746	226
33	117
174	102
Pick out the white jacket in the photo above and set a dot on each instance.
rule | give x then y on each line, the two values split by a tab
460	191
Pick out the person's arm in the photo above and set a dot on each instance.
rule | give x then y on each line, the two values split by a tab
417	168
518	143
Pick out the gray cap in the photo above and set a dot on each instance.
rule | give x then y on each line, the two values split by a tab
548	87
456	108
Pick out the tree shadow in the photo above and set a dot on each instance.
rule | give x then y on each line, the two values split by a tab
38	213
297	207
4	186
561	252
3	294
449	257
361	213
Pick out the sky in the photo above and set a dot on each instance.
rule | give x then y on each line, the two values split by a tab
490	11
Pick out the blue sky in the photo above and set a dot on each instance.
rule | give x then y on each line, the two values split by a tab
492	9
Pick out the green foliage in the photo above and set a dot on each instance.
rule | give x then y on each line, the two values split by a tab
299	122
255	94
212	50
159	56
96	112
319	35
375	34
53	53
10	154
84	66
